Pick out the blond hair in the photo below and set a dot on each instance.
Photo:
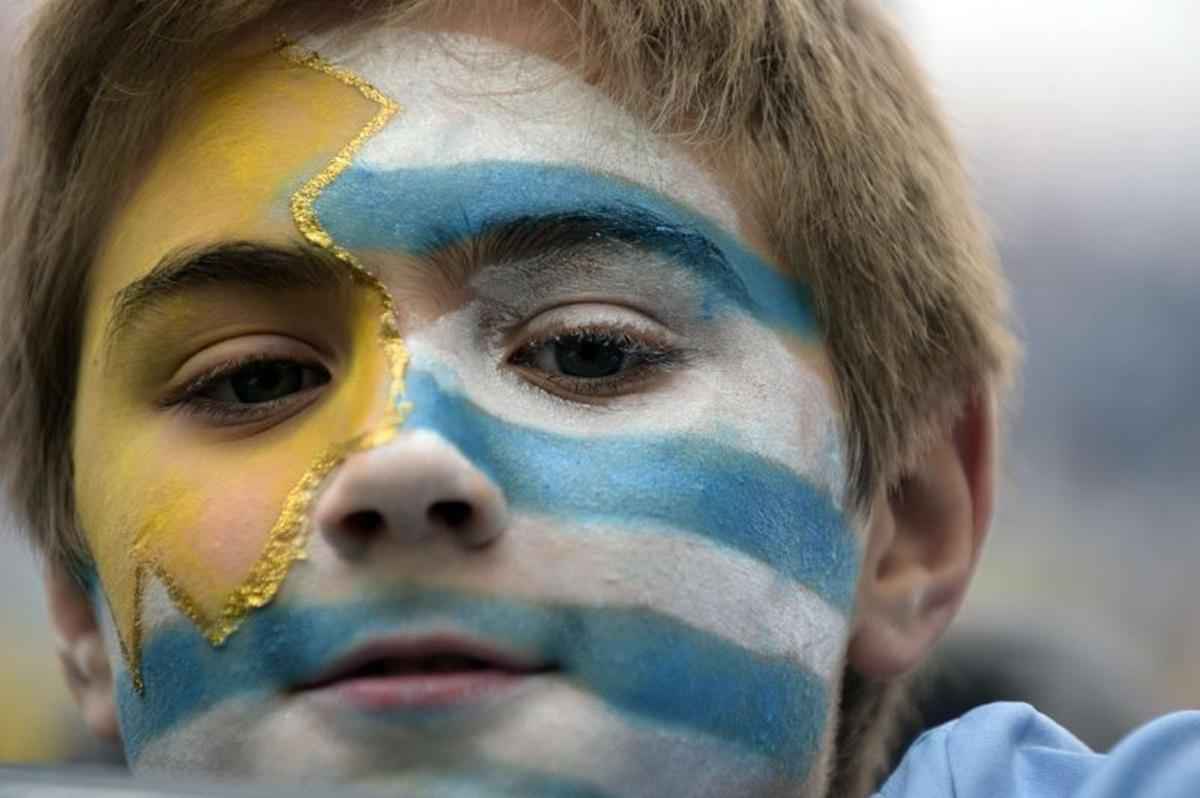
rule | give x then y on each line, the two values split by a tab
816	103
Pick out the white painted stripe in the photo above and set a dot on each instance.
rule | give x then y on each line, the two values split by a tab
714	589
468	98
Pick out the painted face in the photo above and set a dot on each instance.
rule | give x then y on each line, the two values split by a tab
438	426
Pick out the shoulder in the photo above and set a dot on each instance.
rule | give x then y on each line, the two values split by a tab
1013	751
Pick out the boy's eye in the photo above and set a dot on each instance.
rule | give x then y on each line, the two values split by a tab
594	361
265	381
582	356
250	390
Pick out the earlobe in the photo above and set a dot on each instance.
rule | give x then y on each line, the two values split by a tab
923	542
81	650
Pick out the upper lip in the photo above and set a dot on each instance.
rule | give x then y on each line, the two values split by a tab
404	650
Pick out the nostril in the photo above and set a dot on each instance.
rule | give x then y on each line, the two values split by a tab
363	523
452	514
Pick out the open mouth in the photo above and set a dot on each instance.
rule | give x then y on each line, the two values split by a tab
422	674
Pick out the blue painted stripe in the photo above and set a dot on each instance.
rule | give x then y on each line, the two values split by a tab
653	667
727	495
422	210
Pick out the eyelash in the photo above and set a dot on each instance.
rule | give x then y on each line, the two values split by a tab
189	399
651	358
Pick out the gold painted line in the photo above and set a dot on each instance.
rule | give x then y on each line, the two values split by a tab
132	651
303	202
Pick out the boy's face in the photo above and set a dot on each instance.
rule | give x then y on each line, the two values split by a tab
548	508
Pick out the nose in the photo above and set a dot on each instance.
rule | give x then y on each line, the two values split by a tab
411	488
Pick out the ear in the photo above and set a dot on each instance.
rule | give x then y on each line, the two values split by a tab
81	651
924	541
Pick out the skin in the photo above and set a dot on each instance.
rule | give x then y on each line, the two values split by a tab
670	537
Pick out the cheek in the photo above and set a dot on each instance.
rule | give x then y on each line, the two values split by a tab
205	558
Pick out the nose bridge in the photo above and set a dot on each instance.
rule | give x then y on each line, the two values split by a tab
415	486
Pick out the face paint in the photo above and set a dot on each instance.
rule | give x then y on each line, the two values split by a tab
216	592
674	480
679	552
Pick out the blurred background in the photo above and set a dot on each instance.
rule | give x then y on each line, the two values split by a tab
1080	120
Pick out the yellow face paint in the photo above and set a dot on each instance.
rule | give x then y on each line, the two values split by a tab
220	523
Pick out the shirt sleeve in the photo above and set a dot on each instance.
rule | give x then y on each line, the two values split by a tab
1013	751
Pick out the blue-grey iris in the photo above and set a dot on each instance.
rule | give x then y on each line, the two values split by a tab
588	357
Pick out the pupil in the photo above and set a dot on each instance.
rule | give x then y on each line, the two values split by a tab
263	382
588	358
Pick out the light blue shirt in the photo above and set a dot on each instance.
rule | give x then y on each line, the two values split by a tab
1013	751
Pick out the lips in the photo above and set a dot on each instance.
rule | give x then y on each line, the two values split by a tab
423	673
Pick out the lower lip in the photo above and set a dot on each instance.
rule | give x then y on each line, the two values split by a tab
424	691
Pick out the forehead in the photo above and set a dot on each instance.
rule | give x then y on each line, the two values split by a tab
255	127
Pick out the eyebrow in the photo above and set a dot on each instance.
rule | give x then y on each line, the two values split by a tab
227	264
535	236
